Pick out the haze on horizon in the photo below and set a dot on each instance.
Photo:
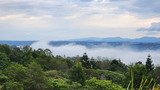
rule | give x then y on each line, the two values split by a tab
124	53
68	19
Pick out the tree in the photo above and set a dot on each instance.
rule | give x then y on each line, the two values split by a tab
78	74
27	55
85	61
48	52
149	65
16	55
93	63
16	72
5	49
4	61
36	79
117	65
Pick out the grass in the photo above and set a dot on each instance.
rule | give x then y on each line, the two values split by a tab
142	84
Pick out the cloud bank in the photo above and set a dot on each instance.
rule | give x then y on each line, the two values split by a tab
127	55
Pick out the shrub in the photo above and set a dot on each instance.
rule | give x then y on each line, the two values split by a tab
106	75
96	84
13	86
55	74
57	84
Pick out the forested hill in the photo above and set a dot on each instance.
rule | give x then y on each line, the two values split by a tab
24	68
17	43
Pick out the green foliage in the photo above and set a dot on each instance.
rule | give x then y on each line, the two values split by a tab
16	72
4	61
93	63
78	74
49	63
57	84
117	65
157	74
5	49
35	79
149	65
103	64
145	83
106	75
137	71
75	86
25	68
3	78
13	86
55	74
85	61
96	84
22	55
16	55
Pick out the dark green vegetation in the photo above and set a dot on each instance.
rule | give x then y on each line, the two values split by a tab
22	68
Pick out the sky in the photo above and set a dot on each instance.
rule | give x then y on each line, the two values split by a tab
68	19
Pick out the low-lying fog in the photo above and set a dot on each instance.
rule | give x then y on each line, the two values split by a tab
125	54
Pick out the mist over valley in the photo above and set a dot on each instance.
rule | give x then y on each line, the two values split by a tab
127	52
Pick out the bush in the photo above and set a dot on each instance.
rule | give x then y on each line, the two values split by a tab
96	84
55	74
13	86
106	75
57	84
75	86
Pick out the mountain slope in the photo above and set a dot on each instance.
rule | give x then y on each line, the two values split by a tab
119	39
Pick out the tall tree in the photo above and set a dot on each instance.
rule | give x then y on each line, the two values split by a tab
85	61
149	65
93	63
78	74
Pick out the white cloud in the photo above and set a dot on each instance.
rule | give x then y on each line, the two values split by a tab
111	53
73	18
24	21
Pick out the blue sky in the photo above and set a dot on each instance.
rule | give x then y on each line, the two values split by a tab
67	19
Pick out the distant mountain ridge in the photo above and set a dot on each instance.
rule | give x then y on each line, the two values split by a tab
17	43
119	39
144	43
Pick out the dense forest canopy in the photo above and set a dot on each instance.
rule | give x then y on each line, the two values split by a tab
24	68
